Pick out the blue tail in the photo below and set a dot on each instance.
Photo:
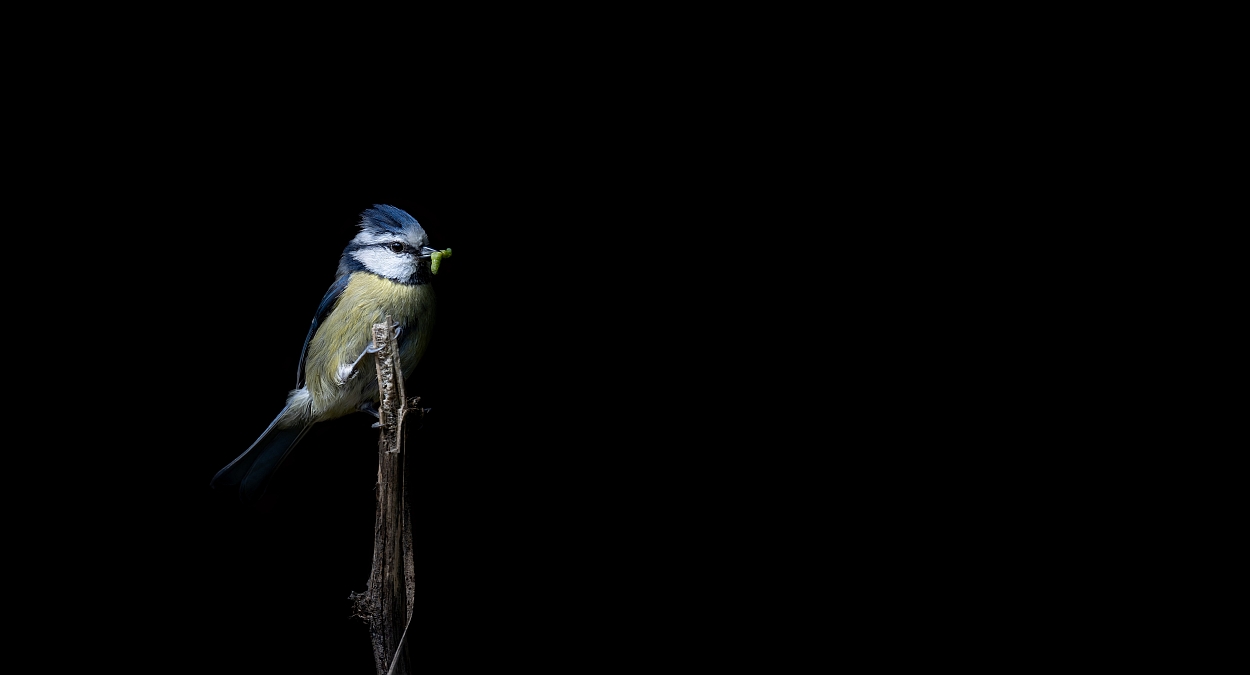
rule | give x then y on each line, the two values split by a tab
253	469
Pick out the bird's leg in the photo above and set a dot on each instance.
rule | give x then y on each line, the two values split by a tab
369	407
348	371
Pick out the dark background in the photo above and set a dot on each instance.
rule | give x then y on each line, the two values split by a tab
542	474
172	227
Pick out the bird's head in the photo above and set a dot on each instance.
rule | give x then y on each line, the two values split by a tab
390	244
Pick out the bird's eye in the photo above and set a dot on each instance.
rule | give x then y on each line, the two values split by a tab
396	247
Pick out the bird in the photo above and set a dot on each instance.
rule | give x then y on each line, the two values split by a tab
386	268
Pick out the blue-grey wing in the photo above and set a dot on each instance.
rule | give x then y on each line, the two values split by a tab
323	310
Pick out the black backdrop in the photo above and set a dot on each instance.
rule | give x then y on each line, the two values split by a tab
206	266
169	240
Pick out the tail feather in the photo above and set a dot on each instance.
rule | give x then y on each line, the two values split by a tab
253	469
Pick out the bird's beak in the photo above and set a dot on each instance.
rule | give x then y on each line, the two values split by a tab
426	251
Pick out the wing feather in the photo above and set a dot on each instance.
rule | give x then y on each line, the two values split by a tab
323	310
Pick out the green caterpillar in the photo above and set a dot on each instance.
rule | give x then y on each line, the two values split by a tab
437	257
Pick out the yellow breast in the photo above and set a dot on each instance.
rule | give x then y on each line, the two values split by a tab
348	329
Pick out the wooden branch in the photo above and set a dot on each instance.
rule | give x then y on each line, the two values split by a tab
401	659
387	604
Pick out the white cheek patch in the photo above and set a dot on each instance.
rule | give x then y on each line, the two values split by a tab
384	263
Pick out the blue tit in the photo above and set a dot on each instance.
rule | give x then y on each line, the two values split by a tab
384	270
